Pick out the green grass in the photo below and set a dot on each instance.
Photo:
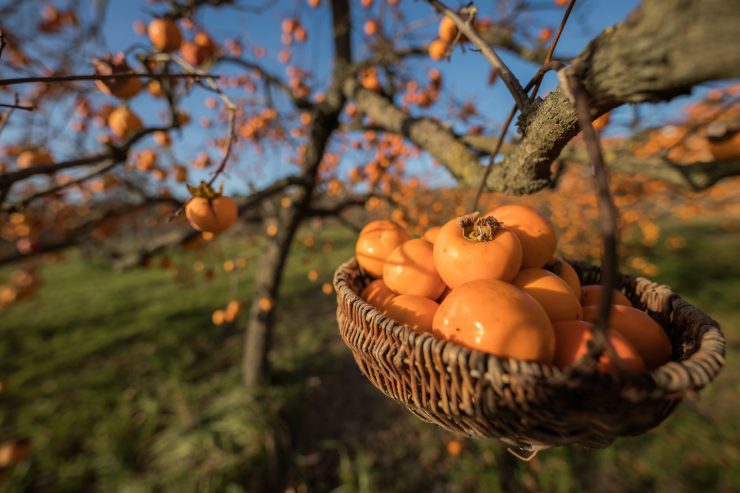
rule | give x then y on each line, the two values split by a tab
122	383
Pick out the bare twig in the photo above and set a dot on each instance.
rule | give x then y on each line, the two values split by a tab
512	83
16	106
230	107
551	50
72	78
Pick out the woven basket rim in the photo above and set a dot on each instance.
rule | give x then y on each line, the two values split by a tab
661	380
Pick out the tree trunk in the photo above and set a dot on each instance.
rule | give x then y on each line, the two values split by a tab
269	275
325	115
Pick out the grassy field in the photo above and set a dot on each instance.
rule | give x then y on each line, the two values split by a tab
121	383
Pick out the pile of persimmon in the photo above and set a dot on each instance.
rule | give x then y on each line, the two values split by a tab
494	283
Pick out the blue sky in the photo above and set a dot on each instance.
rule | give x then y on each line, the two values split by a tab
465	75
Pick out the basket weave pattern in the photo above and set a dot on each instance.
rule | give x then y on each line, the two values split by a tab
527	404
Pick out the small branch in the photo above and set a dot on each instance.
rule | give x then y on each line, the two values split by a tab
512	83
16	106
72	78
551	50
97	170
230	107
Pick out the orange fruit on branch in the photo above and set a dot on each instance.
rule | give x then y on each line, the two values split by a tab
124	122
164	34
447	30
437	49
209	211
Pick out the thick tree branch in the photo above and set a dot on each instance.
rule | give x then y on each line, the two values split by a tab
662	50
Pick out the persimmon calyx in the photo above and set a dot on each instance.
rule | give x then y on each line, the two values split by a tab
206	191
476	228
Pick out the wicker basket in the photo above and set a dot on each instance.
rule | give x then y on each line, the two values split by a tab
528	405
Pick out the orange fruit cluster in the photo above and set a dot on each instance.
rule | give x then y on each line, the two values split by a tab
494	283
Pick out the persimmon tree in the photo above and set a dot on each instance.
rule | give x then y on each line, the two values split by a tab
374	113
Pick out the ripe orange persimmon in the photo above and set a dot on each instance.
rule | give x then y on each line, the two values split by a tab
566	272
725	148
369	79
33	157
124	88
534	230
447	30
212	216
377	294
371	27
192	53
409	269
498	318
644	333
476	248
571	343
437	49
415	311
431	234
591	295
551	292
123	122
164	34
376	241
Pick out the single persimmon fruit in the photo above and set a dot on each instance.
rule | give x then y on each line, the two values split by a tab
409	269
414	311
644	333
376	241
123	122
591	294
437	49
164	34
534	230
551	292
371	27
571	343
473	247
726	147
431	234
377	294
33	157
124	88
447	30
211	213
566	272
497	318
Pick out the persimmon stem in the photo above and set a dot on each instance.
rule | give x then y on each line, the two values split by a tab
476	228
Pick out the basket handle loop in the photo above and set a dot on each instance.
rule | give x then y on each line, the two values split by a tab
578	94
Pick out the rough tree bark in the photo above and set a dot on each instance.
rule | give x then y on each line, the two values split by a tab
662	50
261	322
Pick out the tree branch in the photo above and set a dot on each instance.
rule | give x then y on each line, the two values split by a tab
646	58
512	83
